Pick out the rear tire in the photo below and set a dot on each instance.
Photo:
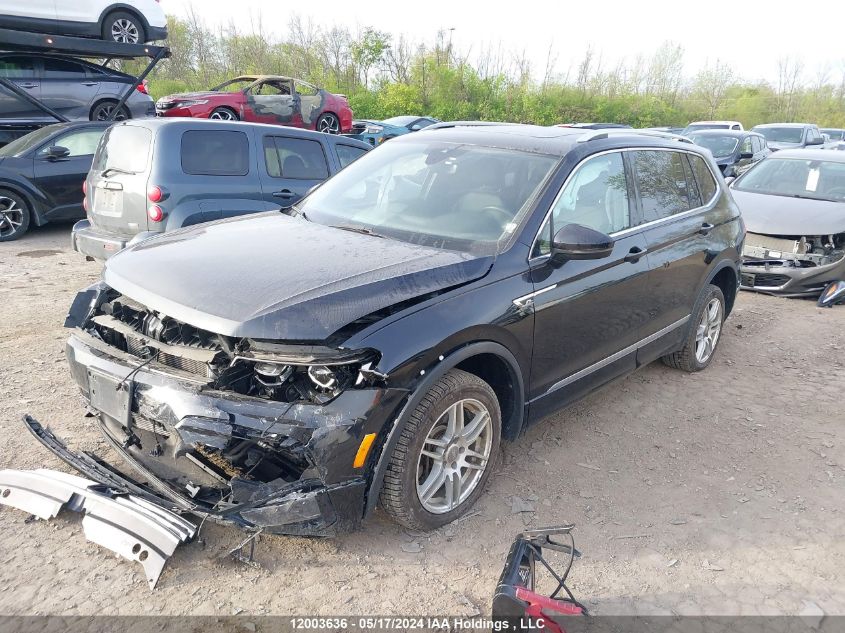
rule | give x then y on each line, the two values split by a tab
705	332
102	111
123	27
14	216
224	114
452	437
328	123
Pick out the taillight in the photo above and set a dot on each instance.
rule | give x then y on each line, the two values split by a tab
155	194
85	187
155	213
85	204
141	88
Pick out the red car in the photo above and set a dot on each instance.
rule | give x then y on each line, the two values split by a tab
264	99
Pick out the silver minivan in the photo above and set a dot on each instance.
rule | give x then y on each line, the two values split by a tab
156	175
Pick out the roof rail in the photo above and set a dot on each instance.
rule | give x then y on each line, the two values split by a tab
452	124
596	135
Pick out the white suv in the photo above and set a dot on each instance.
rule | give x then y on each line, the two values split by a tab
128	21
697	126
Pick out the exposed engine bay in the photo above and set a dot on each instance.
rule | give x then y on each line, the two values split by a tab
251	368
795	250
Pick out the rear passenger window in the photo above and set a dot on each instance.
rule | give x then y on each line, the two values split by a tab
348	154
62	69
704	177
296	158
215	153
662	184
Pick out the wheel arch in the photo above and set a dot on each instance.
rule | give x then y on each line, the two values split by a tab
108	98
725	276
127	8
35	208
490	361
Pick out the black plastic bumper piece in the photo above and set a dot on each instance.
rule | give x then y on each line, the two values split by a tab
303	508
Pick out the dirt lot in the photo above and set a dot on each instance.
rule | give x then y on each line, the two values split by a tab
716	493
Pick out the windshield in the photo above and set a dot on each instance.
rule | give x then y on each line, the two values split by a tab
24	143
782	134
400	121
706	126
835	135
719	146
457	197
234	85
823	180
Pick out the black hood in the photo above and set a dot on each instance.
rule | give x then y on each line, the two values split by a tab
270	276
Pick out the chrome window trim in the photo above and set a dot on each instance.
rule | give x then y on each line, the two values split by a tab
614	357
633	229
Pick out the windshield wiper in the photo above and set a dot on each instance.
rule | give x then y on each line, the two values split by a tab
115	170
356	229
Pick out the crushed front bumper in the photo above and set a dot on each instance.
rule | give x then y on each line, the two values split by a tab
788	278
133	526
174	432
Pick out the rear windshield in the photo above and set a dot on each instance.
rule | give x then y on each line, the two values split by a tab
215	153
781	134
124	148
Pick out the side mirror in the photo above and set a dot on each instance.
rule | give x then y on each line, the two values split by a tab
56	152
575	241
415	127
729	179
746	155
815	141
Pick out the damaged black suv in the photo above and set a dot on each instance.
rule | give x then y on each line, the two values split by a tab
287	371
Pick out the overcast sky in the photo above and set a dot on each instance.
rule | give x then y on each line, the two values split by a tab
750	35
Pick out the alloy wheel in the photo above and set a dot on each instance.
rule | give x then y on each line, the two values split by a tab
104	113
709	329
454	456
125	31
223	115
329	124
11	216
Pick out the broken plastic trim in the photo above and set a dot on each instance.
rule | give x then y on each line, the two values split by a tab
516	603
126	524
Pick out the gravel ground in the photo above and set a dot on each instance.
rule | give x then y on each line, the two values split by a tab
715	493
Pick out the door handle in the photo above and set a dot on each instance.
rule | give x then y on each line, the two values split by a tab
89	83
284	193
635	254
28	85
705	229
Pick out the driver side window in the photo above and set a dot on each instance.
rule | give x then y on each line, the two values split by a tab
81	143
273	89
595	196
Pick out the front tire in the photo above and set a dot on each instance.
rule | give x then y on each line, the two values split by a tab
123	27
14	216
103	110
328	123
707	319
224	114
445	453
